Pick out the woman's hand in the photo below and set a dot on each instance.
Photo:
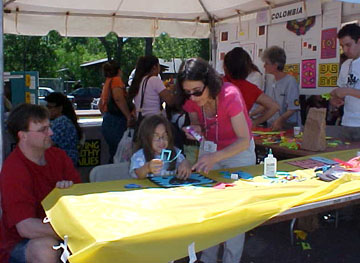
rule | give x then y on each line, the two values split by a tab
205	163
155	166
277	125
184	170
196	128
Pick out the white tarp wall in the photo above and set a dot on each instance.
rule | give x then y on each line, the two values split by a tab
317	48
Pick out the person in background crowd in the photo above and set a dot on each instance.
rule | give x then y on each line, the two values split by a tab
237	67
147	86
218	112
285	90
28	175
114	124
66	130
348	92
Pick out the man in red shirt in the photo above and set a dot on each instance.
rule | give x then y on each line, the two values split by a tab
30	172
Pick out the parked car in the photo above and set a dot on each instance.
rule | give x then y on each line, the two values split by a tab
84	96
44	91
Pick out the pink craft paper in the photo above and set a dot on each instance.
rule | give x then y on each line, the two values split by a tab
328	43
308	73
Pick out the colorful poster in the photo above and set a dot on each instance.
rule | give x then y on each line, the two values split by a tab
293	70
308	74
328	43
224	36
328	74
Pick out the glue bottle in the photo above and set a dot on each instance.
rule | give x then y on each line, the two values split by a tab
270	164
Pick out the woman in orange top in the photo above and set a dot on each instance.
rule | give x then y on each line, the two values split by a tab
114	123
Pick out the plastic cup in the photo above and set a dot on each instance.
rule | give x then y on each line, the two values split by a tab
297	130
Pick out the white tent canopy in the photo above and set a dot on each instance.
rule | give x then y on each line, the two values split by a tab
128	18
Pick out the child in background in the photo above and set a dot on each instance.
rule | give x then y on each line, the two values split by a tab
155	136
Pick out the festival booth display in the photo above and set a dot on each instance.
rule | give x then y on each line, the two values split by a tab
306	30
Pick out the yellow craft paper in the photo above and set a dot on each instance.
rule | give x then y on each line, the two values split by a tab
106	224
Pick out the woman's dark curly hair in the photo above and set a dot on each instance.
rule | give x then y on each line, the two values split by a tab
197	69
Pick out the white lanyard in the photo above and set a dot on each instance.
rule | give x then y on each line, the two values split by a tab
216	122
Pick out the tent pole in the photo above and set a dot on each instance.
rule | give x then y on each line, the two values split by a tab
2	109
213	43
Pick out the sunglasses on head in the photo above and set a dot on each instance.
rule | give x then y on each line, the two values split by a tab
197	93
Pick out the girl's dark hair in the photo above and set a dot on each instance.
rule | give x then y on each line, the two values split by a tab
146	135
20	117
144	66
238	63
198	69
111	69
67	108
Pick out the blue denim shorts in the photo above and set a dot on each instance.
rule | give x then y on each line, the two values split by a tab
17	255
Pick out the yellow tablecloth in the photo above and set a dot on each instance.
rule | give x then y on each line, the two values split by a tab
106	224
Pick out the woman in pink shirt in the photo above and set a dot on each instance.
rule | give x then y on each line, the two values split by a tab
218	112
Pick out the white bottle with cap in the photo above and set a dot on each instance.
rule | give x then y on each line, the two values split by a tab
270	164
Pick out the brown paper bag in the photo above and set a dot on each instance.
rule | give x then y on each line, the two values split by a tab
314	130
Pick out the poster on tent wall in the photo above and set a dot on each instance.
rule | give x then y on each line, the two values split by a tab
328	75
309	48
328	43
308	74
293	70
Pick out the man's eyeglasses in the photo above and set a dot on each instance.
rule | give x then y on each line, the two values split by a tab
157	138
197	93
44	129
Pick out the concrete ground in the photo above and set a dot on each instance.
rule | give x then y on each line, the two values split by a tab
271	243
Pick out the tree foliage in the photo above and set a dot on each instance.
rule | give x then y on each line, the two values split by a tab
57	56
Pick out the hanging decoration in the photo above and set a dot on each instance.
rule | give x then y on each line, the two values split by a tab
301	26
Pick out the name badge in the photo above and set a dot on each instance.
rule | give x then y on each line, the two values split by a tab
210	146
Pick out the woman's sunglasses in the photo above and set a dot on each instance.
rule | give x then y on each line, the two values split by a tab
197	93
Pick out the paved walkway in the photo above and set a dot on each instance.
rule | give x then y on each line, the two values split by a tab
271	243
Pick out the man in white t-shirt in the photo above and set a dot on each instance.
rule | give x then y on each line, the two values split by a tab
348	93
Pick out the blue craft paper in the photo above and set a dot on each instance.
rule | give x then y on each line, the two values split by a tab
323	160
172	181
